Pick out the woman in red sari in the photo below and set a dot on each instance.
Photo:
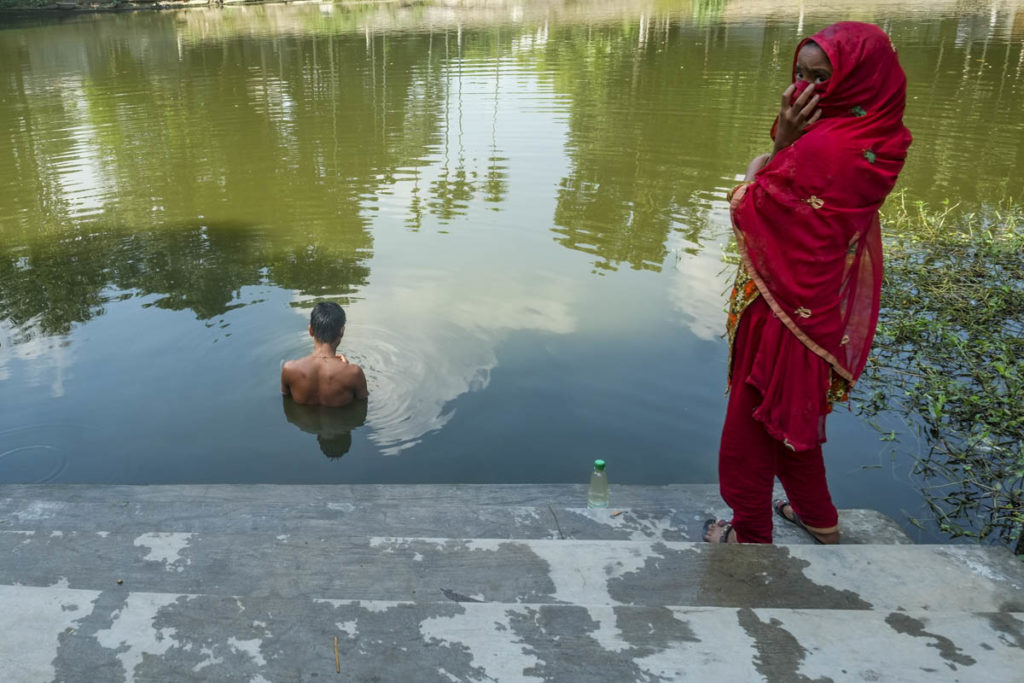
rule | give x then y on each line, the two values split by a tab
804	309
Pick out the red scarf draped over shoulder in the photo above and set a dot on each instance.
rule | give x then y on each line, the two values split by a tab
807	226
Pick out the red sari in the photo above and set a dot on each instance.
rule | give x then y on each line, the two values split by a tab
809	237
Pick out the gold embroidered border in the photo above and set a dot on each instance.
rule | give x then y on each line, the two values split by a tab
737	197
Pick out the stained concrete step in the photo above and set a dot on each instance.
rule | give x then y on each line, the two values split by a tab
671	513
521	571
473	583
65	634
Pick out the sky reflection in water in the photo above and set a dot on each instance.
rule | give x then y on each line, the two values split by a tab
522	210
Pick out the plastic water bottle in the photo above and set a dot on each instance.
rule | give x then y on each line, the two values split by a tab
597	496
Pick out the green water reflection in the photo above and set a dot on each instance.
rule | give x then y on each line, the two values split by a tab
457	176
192	154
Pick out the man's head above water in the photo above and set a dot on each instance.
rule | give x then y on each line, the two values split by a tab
324	377
327	322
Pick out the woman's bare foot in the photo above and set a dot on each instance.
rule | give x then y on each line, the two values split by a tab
824	536
719	531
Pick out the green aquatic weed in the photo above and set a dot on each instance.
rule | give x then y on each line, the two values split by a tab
949	358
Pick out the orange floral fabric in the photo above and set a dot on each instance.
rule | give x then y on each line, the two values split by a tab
745	292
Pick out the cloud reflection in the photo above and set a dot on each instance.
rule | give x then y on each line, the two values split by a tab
423	345
45	359
700	277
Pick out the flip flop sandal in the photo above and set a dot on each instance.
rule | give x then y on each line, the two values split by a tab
726	530
795	519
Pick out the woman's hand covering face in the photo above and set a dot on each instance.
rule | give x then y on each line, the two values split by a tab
799	107
795	115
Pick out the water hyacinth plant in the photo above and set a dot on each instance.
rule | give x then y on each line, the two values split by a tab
949	356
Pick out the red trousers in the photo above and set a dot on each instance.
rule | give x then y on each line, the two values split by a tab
749	458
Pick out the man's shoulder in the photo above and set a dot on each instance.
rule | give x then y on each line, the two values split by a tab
348	369
295	364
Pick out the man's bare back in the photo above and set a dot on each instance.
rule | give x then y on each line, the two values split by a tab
324	377
323	380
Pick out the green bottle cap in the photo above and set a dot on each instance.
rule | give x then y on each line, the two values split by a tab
599	464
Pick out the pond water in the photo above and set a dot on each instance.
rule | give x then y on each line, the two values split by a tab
522	208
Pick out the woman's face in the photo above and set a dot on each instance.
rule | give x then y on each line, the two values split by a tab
812	65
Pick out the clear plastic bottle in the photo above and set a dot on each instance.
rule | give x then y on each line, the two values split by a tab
597	495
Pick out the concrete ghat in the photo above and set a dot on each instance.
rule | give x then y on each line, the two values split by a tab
449	583
32	621
523	571
670	513
146	636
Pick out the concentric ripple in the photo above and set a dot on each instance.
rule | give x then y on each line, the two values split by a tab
35	454
412	378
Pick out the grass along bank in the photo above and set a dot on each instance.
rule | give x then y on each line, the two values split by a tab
949	357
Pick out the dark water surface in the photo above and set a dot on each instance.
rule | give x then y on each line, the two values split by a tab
522	209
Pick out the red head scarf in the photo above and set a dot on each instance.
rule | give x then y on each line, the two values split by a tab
808	225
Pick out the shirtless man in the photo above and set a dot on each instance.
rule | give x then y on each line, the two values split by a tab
324	377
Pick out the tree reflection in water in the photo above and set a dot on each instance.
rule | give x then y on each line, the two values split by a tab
481	167
188	156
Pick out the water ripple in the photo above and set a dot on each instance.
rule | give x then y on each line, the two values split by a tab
43	458
409	385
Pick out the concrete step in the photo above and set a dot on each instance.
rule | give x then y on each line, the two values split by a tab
646	572
476	583
64	634
670	513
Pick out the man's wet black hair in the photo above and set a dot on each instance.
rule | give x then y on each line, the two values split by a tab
327	319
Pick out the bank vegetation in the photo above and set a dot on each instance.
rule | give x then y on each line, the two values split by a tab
949	357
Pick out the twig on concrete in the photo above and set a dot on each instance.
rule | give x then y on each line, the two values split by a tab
557	525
